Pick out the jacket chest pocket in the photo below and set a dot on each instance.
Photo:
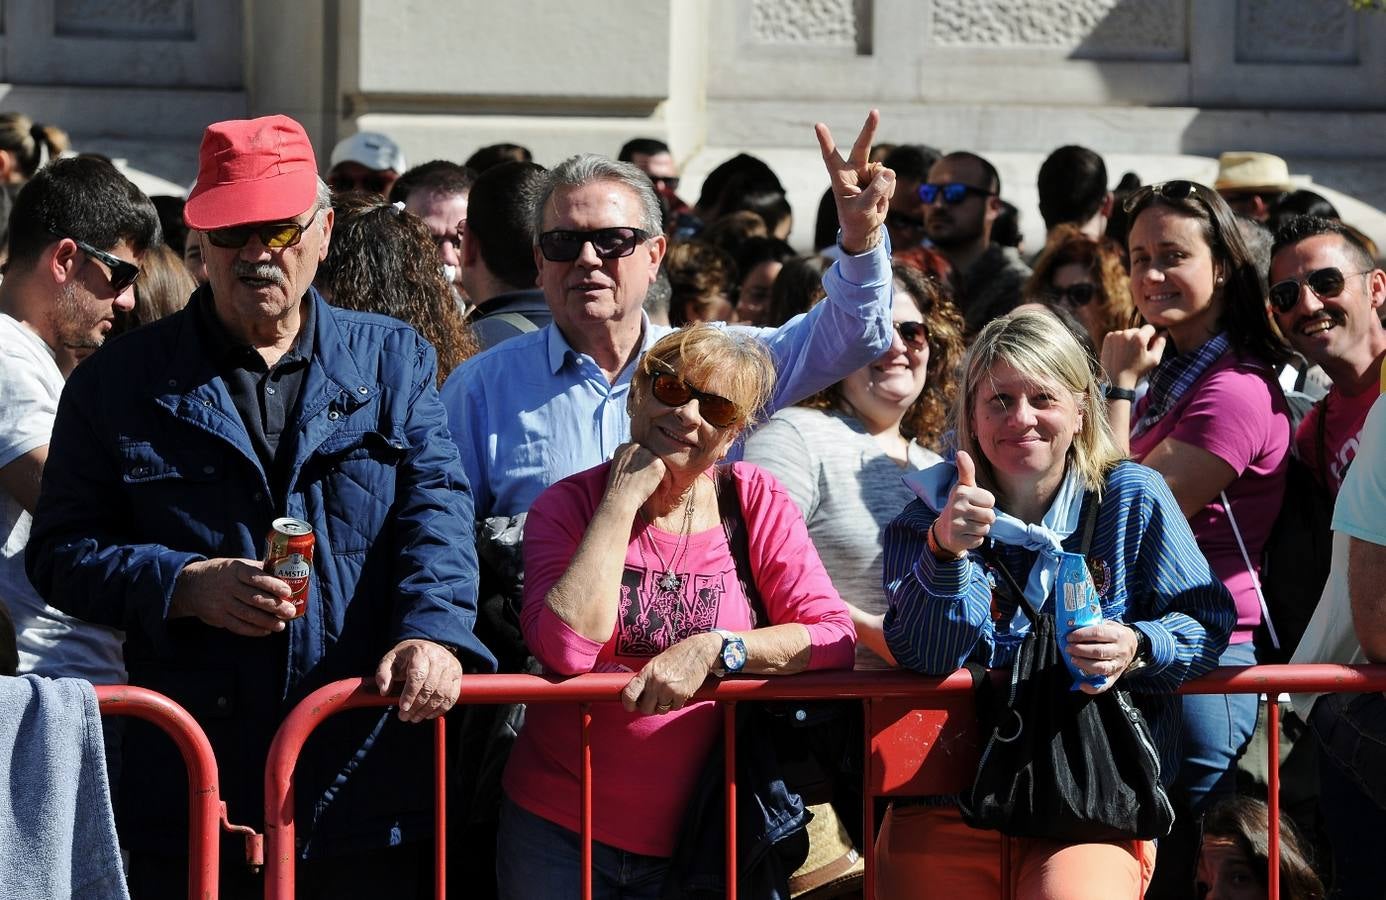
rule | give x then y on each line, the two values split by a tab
358	474
170	486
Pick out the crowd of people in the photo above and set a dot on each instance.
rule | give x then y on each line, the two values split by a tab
558	420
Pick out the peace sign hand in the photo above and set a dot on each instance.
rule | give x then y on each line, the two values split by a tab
861	189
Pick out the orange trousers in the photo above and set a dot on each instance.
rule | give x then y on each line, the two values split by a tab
930	852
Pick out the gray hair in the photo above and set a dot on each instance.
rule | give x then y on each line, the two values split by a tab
323	199
586	168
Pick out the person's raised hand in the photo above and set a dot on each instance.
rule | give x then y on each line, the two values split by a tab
635	474
1129	354
428	675
861	189
965	520
235	594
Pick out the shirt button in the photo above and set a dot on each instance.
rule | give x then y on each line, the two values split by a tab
173	382
363	390
223	704
209	470
269	389
258	496
334	415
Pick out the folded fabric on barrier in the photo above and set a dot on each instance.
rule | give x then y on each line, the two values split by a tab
57	832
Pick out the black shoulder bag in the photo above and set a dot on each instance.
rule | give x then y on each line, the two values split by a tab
1060	764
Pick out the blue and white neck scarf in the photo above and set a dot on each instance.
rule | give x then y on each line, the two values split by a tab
932	485
1173	377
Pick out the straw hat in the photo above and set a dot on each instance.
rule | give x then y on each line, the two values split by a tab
1251	172
833	867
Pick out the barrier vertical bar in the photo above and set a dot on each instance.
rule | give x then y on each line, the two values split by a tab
440	812
729	785
868	815
1273	795
585	711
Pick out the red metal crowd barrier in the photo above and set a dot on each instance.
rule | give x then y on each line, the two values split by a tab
920	739
206	811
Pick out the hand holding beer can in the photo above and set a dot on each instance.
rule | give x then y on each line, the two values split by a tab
289	557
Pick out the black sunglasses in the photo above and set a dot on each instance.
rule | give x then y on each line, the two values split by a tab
1170	190
1325	283
609	243
274	235
671	390
1075	294
665	182
914	334
123	272
375	183
952	194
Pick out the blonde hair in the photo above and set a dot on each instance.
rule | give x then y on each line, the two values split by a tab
745	373
1041	348
32	145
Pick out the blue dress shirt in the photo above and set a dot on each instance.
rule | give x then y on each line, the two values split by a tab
532	410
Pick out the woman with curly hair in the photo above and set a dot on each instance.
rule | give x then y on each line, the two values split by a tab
1087	277
841	452
383	260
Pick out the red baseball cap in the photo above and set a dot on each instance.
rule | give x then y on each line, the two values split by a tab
252	170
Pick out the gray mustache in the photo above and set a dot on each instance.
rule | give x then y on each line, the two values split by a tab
263	271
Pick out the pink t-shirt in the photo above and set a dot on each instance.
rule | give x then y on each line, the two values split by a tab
1346	413
644	768
1237	412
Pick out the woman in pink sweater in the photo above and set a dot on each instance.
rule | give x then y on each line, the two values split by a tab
628	569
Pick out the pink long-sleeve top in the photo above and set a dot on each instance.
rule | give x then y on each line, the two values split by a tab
645	767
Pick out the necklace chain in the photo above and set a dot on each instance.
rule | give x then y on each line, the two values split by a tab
668	580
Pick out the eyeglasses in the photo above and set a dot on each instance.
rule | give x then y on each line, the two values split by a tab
274	235
1325	283
373	182
123	272
1075	294
914	334
953	194
1169	190
609	243
668	183
671	390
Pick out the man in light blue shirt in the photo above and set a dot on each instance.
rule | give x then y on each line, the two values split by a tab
545	405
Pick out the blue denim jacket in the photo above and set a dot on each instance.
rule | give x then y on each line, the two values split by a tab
150	468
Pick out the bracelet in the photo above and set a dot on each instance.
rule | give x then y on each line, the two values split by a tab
1120	393
937	549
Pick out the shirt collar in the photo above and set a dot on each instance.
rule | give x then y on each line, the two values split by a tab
226	349
560	351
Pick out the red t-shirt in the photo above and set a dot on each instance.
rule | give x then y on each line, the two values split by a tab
1342	423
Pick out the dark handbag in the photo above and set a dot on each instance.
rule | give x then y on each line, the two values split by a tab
1060	764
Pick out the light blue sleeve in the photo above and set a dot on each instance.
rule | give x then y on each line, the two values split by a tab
1358	511
467	425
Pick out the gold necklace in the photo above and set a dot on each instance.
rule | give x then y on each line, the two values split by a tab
668	581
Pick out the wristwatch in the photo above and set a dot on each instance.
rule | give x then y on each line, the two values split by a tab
732	659
1120	393
1144	655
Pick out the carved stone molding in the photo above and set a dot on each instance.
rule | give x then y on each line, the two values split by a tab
164	20
1296	31
1091	29
819	24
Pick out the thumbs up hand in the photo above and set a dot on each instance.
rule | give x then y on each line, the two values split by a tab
965	520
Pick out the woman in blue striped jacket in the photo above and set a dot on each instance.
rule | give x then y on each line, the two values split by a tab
1033	440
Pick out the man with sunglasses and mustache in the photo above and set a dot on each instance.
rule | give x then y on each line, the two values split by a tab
173	452
78	230
962	199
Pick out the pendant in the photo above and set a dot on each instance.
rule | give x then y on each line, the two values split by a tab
670	582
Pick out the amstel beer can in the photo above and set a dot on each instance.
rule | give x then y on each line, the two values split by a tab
289	557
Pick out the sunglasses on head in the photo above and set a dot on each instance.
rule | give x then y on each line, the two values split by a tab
952	194
1169	190
1075	294
123	272
1325	283
274	235
914	334
374	182
671	390
609	243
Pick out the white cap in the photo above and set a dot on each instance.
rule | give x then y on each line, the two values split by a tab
371	149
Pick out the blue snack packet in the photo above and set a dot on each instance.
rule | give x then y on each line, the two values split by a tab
1076	605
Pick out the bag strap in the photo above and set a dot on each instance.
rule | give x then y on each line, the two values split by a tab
734	526
1088	522
1255	579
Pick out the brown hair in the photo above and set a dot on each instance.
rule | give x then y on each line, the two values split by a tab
1102	259
1244	820
699	274
163	286
32	144
743	367
927	418
382	259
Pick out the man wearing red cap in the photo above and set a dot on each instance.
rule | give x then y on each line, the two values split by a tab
172	453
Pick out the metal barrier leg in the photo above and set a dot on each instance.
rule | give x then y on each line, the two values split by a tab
729	748
585	710
440	813
1273	795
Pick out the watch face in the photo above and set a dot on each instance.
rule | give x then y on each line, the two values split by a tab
733	654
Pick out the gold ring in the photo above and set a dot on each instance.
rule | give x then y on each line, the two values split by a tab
664	706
